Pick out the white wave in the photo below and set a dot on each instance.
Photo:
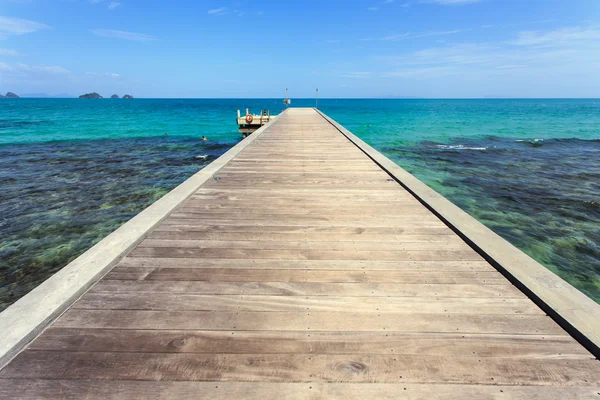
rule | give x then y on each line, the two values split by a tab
202	157
459	147
530	140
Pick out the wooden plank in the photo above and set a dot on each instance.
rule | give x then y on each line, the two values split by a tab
242	227
195	220
307	275
267	342
300	236
314	245
309	289
353	304
348	219
301	368
126	389
307	254
294	210
309	321
441	266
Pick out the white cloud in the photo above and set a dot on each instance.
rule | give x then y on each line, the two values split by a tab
106	74
452	2
111	4
218	11
356	74
18	26
9	52
419	72
21	68
5	67
415	35
53	69
372	8
563	52
557	37
515	66
138	37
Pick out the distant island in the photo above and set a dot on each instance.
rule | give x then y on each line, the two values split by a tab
9	95
93	95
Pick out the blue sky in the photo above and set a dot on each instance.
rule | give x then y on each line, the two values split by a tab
256	48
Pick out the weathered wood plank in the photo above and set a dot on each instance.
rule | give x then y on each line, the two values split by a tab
126	389
302	236
267	342
352	232
332	303
309	289
442	266
307	254
306	275
323	244
302	368
309	321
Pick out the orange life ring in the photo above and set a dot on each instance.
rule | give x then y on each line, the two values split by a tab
249	118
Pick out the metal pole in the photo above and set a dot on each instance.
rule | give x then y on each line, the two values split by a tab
317	102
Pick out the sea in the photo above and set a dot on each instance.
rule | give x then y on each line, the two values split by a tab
74	170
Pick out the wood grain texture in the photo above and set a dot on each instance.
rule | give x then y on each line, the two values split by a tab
300	368
161	390
301	270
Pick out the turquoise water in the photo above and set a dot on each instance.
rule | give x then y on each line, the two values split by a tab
73	170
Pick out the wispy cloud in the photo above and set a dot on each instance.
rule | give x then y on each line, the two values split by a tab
356	74
18	26
531	54
134	36
218	11
25	68
104	74
34	74
451	2
557	37
419	72
514	66
9	52
414	35
112	4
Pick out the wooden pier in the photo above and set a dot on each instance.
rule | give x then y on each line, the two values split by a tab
301	268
